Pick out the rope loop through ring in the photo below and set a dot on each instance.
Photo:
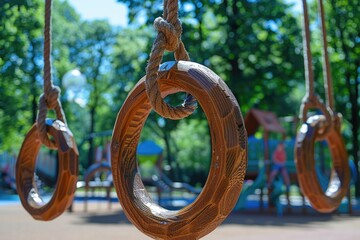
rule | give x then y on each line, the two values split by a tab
65	188
49	101
228	155
314	102
324	199
169	38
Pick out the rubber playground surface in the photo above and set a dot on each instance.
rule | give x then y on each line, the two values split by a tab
102	222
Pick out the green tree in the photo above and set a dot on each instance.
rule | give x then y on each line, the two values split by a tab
130	55
94	59
344	36
262	60
20	68
255	46
88	46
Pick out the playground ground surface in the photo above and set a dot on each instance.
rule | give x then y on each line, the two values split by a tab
100	222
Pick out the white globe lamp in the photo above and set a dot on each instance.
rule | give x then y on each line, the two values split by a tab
73	80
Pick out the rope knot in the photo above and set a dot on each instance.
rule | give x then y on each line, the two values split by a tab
168	38
52	97
171	32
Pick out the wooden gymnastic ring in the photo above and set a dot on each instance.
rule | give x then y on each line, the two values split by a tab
329	200
228	164
67	172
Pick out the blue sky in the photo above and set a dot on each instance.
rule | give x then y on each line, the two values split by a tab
101	9
116	12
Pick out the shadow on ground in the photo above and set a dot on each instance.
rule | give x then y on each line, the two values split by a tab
265	218
116	217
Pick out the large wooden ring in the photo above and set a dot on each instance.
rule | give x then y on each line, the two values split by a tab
67	172
228	164
323	201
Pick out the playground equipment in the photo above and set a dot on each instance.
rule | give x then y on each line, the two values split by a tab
228	140
314	128
150	156
258	168
62	141
7	171
229	145
250	188
98	175
93	182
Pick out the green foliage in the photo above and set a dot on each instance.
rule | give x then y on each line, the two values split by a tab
65	34
20	31
193	149
345	42
130	55
255	46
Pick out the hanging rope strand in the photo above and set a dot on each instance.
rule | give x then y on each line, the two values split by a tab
321	126
47	48
50	98
311	100
173	13
180	53
326	64
309	73
169	38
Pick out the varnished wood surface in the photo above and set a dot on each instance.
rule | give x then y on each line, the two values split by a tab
67	172
228	159
329	200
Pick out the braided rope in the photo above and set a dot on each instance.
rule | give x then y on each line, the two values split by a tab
325	63
311	100
169	38
50	99
309	72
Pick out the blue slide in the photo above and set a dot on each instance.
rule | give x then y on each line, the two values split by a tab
249	189
275	196
260	182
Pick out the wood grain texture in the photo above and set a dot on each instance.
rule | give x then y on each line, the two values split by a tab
228	159
329	200
67	172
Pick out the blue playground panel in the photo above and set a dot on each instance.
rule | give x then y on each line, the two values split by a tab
6	199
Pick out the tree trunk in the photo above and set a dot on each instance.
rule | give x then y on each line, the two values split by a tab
93	106
91	139
355	127
33	87
169	157
34	102
355	130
